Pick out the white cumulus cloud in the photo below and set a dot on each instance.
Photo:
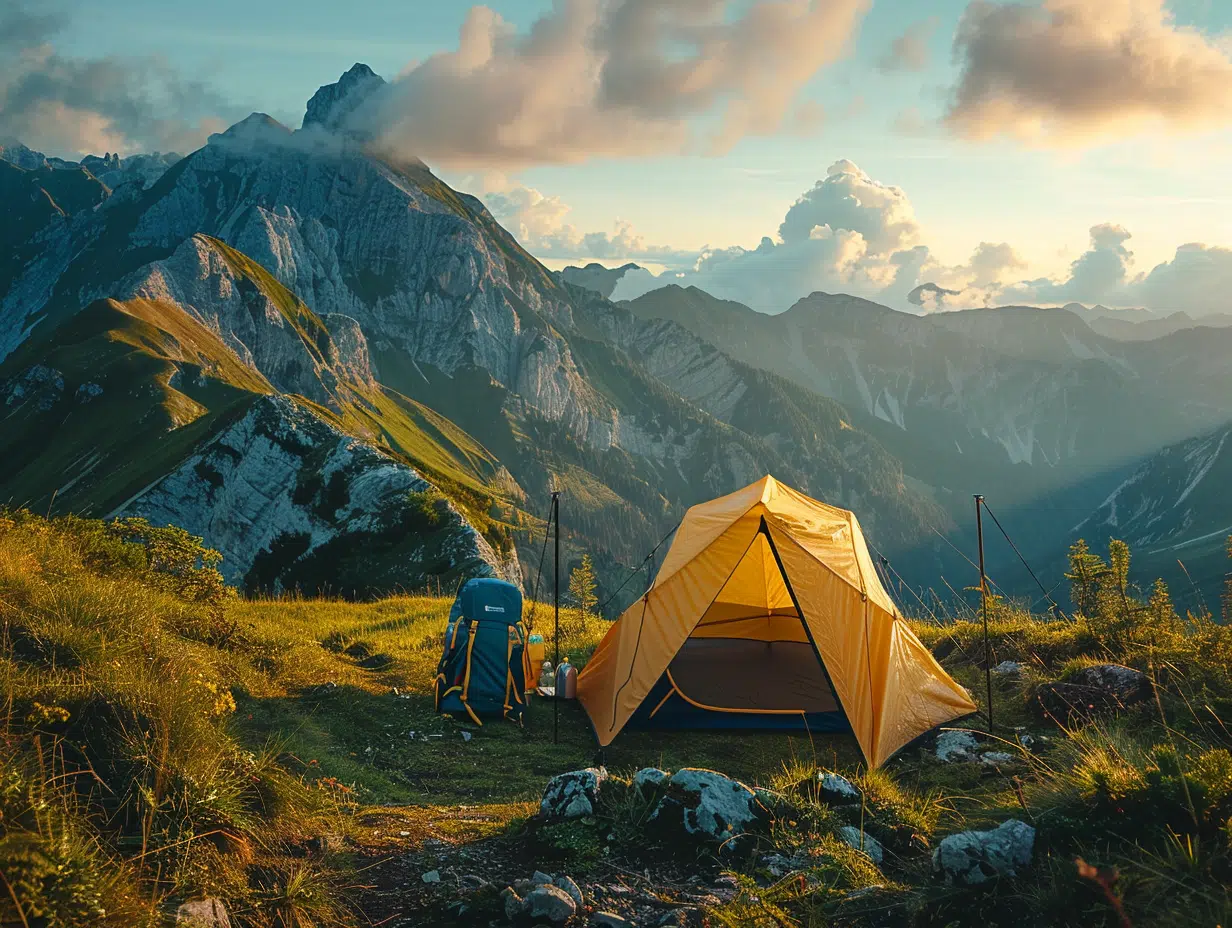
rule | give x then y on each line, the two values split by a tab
614	78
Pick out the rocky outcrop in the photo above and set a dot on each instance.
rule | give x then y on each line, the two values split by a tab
973	857
283	343
281	487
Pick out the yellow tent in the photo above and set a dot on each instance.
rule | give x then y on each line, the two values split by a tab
767	612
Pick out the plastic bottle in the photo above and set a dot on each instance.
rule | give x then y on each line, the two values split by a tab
566	680
547	675
536	649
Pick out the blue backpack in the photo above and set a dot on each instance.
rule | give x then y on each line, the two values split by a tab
485	666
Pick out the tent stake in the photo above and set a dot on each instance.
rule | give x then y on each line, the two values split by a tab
979	534
556	602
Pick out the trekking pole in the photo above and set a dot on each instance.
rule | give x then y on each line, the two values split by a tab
979	535
556	603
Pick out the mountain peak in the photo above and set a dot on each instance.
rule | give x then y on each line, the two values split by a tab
16	153
255	127
333	104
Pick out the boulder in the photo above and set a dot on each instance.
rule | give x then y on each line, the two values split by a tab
1127	685
707	806
1101	689
836	790
649	779
956	747
202	913
550	904
572	795
1066	702
862	842
972	857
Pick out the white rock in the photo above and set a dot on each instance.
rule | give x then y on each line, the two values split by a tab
1008	668
573	794
863	842
973	857
708	804
956	747
432	876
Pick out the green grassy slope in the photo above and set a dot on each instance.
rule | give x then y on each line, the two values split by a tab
141	384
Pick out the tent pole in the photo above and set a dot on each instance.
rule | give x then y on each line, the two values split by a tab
556	603
979	535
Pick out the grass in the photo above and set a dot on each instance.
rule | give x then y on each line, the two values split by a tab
164	739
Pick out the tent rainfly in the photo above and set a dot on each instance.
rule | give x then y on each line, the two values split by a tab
767	613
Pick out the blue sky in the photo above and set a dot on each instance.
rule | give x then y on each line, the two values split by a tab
1165	188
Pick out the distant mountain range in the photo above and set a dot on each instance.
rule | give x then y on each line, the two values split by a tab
347	376
1032	407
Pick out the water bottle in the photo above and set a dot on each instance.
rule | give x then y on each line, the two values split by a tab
566	680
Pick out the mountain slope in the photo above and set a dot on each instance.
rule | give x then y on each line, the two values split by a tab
1174	508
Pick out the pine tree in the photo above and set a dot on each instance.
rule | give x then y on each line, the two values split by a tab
1085	572
582	586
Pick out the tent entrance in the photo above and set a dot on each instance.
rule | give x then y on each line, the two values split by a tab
735	675
749	662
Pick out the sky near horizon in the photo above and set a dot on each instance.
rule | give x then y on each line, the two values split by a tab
1038	151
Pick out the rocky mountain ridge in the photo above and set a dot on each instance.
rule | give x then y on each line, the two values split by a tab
277	267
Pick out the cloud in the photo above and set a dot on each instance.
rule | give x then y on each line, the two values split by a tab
614	78
69	105
848	233
849	199
1073	71
539	223
909	51
1197	280
1097	274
